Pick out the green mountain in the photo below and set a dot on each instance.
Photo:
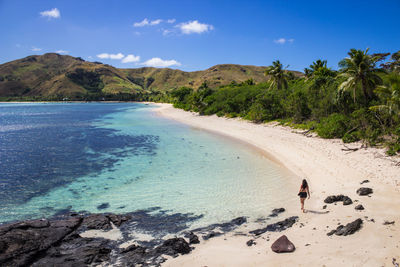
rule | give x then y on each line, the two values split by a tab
53	74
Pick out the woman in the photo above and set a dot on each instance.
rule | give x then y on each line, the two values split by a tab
304	190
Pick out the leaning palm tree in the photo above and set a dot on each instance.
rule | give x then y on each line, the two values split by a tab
278	75
360	71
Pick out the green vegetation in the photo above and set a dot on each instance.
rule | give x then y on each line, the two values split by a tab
360	101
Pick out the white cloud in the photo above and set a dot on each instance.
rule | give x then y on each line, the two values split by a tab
194	27
36	49
130	58
110	56
283	41
166	32
159	63
141	24
61	52
51	14
170	21
156	22
146	22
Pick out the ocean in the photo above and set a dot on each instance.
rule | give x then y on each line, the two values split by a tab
57	158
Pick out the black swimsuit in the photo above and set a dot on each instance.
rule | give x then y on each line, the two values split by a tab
303	194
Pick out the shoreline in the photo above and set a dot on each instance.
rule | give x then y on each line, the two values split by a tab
330	171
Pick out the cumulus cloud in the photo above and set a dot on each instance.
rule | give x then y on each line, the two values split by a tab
159	63
61	52
110	56
156	22
141	24
170	21
283	41
51	14
36	49
194	27
130	58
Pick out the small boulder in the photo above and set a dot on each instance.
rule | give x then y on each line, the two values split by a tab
250	242
364	182
364	191
347	201
359	207
174	246
282	245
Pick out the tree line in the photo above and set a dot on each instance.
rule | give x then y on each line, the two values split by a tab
359	101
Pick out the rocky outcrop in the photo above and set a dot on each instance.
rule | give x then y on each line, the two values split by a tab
364	191
277	227
332	199
193	239
282	245
349	229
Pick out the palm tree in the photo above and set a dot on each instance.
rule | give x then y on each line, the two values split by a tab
391	95
278	75
360	71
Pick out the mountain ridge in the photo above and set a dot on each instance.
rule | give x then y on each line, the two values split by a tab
52	74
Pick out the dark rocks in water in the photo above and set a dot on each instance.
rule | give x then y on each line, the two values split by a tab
364	182
211	235
359	207
275	212
250	242
283	245
239	221
193	239
364	191
349	229
331	199
388	223
118	219
277	227
103	206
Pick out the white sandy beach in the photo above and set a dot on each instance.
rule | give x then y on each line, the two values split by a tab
330	171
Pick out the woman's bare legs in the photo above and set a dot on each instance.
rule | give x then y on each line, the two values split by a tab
302	203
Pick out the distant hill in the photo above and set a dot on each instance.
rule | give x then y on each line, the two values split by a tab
54	74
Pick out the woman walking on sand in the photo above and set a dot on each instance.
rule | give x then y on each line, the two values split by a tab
304	190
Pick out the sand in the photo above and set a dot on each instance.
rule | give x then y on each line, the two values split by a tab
329	170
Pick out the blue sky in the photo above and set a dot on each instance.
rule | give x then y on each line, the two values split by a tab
195	35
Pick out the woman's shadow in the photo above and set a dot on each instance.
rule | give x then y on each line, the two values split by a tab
316	212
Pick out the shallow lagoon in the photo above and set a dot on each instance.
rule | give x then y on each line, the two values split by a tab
122	157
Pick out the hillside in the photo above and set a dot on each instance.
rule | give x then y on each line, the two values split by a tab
61	75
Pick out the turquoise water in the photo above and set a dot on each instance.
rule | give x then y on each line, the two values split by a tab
168	165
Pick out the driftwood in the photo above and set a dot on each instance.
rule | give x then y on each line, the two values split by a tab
351	149
306	133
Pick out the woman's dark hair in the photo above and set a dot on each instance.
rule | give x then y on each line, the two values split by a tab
304	184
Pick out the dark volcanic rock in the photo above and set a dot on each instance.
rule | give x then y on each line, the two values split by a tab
364	182
174	246
193	239
211	235
349	229
282	244
275	212
118	219
76	251
23	242
364	191
97	221
250	242
331	199
359	207
277	227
